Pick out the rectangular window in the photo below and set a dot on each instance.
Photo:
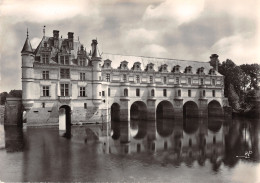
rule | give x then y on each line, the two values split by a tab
179	93
64	60
137	78
82	76
46	91
164	92
124	78
213	93
81	61
203	93
213	82
189	93
85	106
164	79
151	79
43	105
189	81
201	81
45	74
45	58
103	93
64	90
108	77
137	92
64	73
108	92
177	80
82	91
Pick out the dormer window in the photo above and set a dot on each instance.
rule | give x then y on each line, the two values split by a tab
136	66
164	68
188	70
64	60
123	65
212	72
107	63
45	44
45	58
176	69
81	61
149	67
200	70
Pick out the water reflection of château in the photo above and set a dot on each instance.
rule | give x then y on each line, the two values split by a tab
185	140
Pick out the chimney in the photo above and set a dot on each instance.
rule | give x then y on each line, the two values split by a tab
56	38
70	35
70	38
214	61
55	34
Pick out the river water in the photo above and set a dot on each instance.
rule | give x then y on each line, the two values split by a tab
214	150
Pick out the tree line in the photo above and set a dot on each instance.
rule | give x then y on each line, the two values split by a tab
241	84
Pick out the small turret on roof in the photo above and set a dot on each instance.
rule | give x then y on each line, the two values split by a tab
95	52
27	48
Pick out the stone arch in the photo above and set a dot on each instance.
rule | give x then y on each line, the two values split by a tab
115	112
190	110
115	118
215	109
138	111
164	110
65	120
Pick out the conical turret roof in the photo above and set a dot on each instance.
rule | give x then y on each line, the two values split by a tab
27	47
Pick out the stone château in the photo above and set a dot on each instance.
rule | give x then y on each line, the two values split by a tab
61	80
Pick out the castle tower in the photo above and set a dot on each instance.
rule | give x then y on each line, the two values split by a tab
96	74
27	74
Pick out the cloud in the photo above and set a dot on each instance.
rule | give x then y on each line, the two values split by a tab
178	10
141	34
241	48
47	10
153	49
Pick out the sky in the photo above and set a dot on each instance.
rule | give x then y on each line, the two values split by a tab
179	29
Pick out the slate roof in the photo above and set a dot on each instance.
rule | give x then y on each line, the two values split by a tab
117	59
27	47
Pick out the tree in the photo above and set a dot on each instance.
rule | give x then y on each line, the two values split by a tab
251	71
15	93
3	96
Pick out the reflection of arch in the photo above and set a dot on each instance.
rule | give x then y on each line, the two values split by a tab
138	129
164	127
215	109
65	119
164	110
138	110
214	124
115	112
190	110
190	125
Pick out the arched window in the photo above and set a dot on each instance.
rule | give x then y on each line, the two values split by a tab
152	92
125	92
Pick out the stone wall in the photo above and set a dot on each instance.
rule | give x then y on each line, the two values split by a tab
2	112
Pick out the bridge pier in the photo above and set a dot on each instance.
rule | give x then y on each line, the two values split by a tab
203	108
125	110
13	111
151	109
178	108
